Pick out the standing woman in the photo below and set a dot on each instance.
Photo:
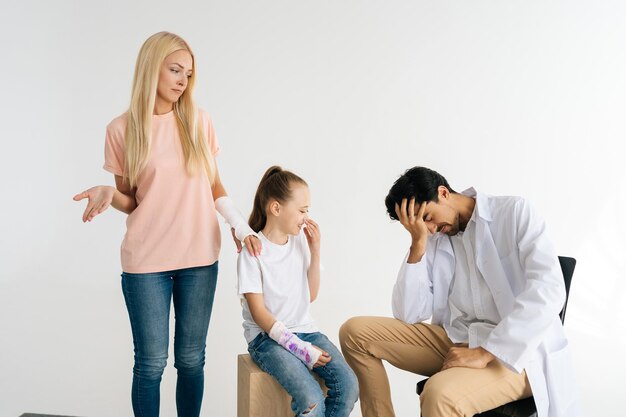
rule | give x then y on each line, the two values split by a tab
162	153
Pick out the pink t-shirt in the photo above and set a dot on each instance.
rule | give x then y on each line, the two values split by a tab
174	225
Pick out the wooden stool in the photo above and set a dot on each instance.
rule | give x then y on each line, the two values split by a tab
258	393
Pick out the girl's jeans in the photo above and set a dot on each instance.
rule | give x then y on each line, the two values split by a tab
307	396
148	299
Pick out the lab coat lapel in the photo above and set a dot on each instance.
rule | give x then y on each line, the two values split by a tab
445	267
488	262
444	270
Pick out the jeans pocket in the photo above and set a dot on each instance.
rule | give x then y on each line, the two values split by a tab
256	342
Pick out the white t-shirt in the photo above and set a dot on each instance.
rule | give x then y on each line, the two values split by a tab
280	274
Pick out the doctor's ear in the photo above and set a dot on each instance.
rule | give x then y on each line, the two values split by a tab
443	192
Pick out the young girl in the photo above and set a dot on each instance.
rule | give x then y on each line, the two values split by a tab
162	154
278	288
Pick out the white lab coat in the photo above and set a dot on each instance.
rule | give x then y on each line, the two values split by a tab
522	271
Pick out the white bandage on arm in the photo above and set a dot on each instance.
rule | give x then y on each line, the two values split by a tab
298	347
225	206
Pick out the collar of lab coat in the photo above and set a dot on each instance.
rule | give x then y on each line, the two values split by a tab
482	208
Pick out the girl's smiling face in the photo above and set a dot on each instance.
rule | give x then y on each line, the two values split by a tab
291	214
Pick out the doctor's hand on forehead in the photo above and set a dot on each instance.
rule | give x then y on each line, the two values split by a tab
415	225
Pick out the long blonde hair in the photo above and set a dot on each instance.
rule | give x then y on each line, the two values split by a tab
139	127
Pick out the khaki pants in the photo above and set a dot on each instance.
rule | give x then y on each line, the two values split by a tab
421	348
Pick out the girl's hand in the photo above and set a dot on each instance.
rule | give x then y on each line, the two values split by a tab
323	359
313	235
100	198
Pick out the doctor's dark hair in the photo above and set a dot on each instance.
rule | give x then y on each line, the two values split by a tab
419	182
275	185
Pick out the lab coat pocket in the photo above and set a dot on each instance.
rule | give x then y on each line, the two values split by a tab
560	381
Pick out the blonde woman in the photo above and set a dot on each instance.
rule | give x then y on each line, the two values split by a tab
162	154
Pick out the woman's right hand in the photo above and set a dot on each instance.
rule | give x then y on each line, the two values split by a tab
100	198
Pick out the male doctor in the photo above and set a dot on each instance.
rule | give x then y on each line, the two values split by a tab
482	268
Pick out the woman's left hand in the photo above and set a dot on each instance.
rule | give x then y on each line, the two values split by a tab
313	235
252	243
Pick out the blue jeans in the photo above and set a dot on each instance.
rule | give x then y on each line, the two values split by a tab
148	299
293	375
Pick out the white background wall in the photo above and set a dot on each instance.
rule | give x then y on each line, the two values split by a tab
524	98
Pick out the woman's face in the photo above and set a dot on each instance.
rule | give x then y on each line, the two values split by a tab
173	78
